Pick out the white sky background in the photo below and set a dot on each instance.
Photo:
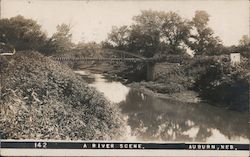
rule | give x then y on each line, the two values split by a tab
92	20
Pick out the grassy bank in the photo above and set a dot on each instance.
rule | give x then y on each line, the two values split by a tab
43	99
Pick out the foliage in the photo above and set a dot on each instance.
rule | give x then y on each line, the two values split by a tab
172	78
25	34
145	33
90	49
152	32
224	84
202	39
22	33
243	47
158	32
42	99
118	37
60	42
175	30
198	65
244	41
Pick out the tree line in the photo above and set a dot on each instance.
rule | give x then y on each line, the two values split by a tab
159	32
26	34
150	34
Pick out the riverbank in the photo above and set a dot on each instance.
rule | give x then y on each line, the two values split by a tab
43	99
168	83
186	96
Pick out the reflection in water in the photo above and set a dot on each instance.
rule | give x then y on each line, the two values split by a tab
113	91
152	118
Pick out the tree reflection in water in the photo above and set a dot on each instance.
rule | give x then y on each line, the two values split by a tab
152	118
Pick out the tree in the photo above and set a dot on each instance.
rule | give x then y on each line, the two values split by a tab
244	41
202	40
118	37
21	33
152	32
244	46
175	30
61	41
145	33
90	49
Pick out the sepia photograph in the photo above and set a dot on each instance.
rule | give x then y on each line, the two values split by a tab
124	78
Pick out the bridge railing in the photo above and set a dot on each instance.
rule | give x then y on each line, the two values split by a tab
72	59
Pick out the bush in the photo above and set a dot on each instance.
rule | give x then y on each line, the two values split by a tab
199	64
224	84
173	76
43	99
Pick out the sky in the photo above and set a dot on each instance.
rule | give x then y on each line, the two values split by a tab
92	20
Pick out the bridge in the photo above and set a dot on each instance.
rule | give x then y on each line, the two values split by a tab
98	59
124	57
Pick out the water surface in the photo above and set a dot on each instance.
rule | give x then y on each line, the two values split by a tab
152	118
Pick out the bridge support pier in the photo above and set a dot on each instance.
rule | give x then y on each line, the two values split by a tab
150	71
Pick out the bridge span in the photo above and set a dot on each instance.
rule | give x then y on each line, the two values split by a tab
150	63
99	59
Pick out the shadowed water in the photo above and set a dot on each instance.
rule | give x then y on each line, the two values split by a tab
152	118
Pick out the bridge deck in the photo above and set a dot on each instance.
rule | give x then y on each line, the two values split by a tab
97	59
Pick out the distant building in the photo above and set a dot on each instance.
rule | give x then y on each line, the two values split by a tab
235	58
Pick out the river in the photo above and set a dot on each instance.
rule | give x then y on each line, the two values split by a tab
151	118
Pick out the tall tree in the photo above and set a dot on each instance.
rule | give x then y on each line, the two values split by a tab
61	41
118	38
202	40
145	32
176	31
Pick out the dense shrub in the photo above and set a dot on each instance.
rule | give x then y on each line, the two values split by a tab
172	77
199	64
225	85
43	99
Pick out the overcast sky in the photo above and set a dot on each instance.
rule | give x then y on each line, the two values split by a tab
92	20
